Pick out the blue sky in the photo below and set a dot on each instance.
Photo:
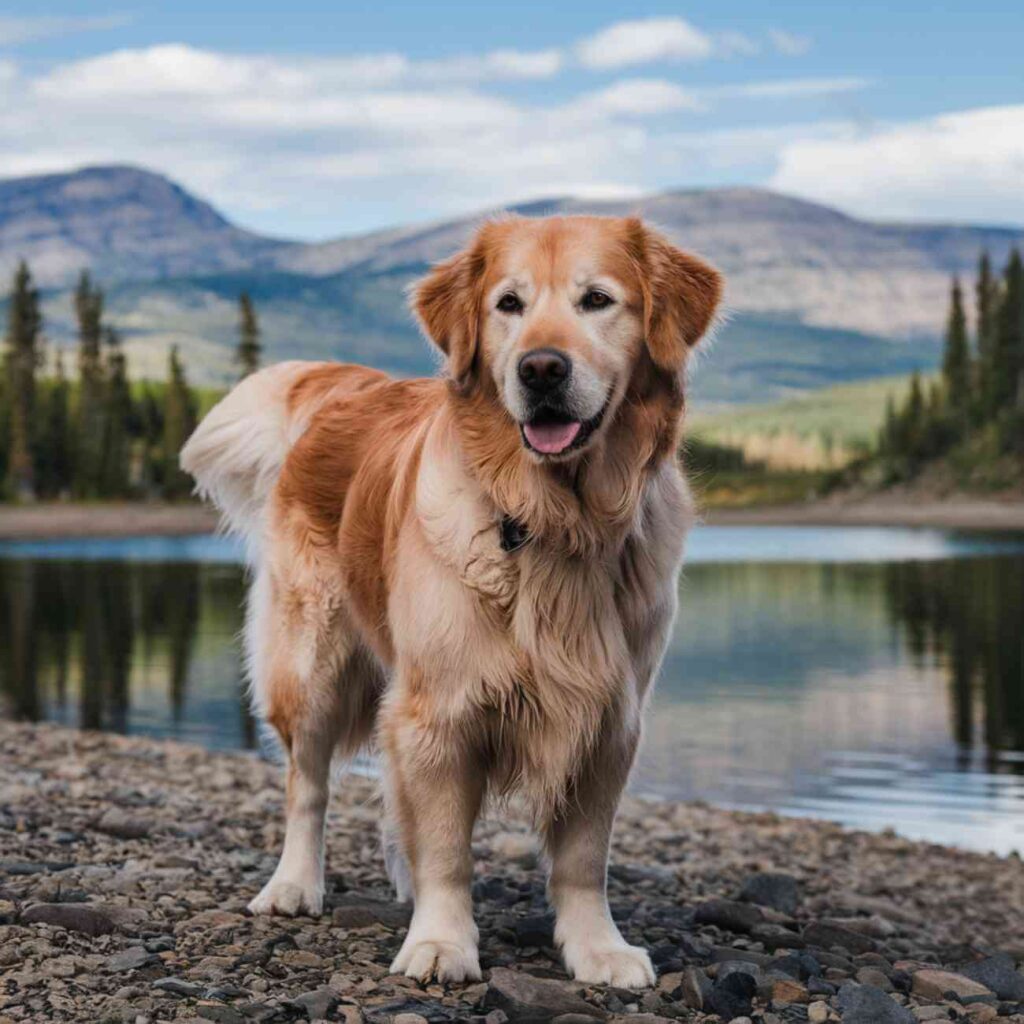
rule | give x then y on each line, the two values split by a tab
317	119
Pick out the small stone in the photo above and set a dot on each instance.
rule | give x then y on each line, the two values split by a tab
531	1000
122	826
301	958
778	891
74	917
873	976
130	959
219	1012
732	996
827	934
928	1013
934	984
728	915
865	1004
318	1003
981	1013
361	912
817	1012
786	990
998	974
694	987
409	1018
177	987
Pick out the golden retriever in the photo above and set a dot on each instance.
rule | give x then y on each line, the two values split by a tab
477	572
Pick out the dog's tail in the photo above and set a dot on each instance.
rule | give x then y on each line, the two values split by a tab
236	453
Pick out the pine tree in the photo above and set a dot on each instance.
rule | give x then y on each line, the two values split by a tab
987	303
179	421
956	365
1008	350
118	421
89	414
55	459
247	355
23	345
149	430
914	419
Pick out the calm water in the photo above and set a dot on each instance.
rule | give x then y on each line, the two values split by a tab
872	676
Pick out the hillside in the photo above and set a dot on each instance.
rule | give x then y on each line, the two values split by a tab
817	297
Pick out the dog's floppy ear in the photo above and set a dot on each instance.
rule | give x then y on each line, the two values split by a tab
447	304
681	293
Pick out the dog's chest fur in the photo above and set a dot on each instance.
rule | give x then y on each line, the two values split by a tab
527	647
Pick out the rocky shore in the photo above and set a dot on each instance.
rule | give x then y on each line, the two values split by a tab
126	866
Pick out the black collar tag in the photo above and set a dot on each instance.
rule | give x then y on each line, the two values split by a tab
513	534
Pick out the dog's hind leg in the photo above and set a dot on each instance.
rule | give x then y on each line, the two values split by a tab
319	692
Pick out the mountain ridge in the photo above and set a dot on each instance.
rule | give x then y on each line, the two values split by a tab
817	296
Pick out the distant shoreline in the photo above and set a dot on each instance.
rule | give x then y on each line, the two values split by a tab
118	519
955	513
128	519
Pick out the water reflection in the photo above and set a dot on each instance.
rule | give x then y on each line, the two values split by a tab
967	617
878	693
131	647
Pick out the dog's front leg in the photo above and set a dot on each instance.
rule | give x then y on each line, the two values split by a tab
434	790
577	838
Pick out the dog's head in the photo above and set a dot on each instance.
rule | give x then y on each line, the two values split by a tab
555	317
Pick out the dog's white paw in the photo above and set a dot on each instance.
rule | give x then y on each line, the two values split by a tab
289	898
622	965
445	961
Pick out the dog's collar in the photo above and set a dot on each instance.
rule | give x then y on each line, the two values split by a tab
513	534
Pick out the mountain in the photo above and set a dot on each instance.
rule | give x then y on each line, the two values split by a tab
817	297
121	222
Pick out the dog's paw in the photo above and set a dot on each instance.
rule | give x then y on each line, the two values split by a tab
444	961
622	966
280	896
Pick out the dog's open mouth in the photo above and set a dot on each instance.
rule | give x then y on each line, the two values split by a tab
551	432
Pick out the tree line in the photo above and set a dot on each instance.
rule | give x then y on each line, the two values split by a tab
976	405
94	434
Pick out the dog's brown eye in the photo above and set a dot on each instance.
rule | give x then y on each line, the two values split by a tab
510	303
596	299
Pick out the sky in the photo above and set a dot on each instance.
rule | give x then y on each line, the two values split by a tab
319	119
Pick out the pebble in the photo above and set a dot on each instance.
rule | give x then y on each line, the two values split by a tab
775	890
144	919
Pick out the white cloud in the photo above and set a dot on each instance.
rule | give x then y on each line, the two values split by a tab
16	31
965	166
635	97
789	43
736	44
641	42
497	65
791	88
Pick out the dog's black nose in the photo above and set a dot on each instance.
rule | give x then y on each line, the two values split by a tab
544	369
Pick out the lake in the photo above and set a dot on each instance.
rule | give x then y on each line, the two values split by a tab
870	676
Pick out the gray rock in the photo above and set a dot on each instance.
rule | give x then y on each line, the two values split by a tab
998	974
177	987
865	1004
219	1012
122	826
75	917
319	1004
130	959
529	1000
352	911
778	891
728	915
826	935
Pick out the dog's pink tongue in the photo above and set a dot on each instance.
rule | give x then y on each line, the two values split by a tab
551	438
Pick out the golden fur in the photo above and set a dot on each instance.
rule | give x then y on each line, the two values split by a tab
384	605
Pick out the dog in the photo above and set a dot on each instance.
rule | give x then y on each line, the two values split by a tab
474	573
